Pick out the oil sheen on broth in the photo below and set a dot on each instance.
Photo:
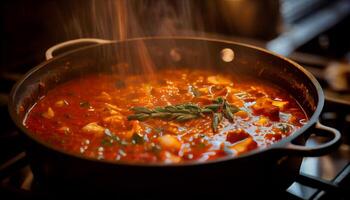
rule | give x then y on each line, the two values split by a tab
180	115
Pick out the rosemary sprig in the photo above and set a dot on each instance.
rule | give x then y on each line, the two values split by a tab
188	111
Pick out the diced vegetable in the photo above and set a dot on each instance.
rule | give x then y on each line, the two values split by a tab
169	142
136	128
263	121
233	99
61	103
49	113
94	128
265	107
242	114
245	145
280	104
114	119
236	135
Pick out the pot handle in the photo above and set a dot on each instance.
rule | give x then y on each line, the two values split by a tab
49	52
321	149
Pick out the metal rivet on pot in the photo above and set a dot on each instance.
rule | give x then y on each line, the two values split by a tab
227	55
175	55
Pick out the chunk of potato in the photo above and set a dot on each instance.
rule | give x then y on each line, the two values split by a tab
244	145
94	128
265	107
242	114
61	103
169	142
263	121
280	104
49	114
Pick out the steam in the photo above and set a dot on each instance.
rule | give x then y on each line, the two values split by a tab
122	19
125	19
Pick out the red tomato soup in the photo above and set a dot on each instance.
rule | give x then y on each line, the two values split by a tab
178	116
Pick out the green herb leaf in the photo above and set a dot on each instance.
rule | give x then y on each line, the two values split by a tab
285	128
137	139
219	100
227	112
161	115
213	107
140	117
138	110
182	118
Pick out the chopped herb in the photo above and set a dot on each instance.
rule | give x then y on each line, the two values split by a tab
285	128
106	142
229	110
137	139
120	84
110	138
195	91
85	104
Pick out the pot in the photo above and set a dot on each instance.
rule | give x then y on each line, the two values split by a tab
278	164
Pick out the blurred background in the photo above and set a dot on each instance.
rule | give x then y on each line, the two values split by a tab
315	33
29	27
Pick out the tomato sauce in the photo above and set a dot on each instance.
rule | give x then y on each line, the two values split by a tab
106	116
